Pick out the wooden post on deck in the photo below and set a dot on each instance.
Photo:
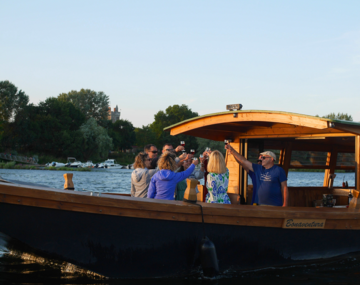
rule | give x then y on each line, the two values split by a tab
357	163
69	185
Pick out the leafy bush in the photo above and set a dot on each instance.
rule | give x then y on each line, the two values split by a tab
9	165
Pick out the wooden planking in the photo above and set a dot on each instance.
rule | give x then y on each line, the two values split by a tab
81	200
291	119
346	221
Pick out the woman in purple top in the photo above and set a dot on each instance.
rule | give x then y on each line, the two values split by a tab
163	183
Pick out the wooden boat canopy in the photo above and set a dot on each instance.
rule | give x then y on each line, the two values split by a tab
262	124
289	133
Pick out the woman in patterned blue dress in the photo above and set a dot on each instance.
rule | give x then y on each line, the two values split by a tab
217	179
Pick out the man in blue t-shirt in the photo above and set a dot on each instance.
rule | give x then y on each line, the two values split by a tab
271	181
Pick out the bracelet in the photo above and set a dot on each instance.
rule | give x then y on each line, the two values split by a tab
202	164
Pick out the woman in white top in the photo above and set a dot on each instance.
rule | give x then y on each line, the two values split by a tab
141	176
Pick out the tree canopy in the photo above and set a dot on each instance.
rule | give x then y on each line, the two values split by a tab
172	115
52	127
11	100
96	140
122	134
338	116
91	103
144	136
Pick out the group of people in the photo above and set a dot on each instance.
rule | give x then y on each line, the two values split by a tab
164	176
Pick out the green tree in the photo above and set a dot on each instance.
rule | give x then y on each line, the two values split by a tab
51	127
91	103
214	145
144	136
11	100
122	134
172	115
97	143
338	116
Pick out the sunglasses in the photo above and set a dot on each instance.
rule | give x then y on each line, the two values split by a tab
170	149
149	159
264	157
154	151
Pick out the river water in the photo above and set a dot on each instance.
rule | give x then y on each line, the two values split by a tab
18	267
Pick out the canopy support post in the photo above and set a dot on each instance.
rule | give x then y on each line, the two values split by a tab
331	163
287	157
357	163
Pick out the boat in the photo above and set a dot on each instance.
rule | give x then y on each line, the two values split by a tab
119	236
56	164
88	164
111	164
73	162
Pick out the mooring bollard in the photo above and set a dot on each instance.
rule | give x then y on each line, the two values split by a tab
69	185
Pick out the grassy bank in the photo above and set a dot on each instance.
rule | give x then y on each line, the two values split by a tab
13	165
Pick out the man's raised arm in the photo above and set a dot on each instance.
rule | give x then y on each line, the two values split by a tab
239	158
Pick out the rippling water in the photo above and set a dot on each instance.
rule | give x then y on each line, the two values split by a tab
118	180
19	267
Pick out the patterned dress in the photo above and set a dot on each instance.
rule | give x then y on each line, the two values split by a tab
217	185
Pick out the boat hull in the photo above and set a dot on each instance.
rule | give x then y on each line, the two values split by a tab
128	247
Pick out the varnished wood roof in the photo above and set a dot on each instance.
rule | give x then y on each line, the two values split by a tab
262	124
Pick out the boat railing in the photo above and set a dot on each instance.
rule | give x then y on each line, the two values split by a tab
18	158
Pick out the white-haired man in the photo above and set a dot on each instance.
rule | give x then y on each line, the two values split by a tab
271	179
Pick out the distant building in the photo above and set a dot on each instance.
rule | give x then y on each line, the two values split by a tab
114	116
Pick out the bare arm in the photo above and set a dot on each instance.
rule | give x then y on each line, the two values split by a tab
285	193
239	158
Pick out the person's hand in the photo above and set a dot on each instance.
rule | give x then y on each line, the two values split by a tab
205	154
229	148
183	156
195	162
179	148
202	159
189	156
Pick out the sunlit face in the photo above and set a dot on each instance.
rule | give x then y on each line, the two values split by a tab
168	148
187	163
153	152
266	160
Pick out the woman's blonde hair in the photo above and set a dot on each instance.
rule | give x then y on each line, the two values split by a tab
216	163
167	161
140	160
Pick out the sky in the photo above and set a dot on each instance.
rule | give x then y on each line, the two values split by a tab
294	56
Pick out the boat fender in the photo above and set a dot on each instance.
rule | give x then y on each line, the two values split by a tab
208	257
69	185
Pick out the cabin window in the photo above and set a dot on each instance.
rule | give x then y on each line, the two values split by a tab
308	158
345	169
345	159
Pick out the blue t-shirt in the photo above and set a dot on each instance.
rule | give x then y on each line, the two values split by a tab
268	183
254	195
